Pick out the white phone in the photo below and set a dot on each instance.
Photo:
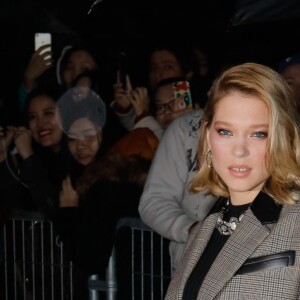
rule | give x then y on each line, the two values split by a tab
41	39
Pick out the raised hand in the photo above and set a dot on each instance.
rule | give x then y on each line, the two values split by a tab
23	142
122	95
68	195
140	100
39	62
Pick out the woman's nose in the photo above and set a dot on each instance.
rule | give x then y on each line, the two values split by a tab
41	121
167	109
80	143
240	148
76	71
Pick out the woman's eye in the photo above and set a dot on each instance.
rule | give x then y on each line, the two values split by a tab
168	67
88	137
224	132
260	134
49	113
159	108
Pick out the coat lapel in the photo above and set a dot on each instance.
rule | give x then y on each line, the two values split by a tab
195	248
235	252
250	233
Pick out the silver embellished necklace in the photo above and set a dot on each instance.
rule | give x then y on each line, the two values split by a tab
227	227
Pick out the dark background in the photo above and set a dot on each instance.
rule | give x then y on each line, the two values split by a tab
264	31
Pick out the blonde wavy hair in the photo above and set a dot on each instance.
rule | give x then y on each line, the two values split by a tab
283	145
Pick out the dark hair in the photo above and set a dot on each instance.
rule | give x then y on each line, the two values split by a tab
81	102
288	61
62	62
185	55
48	89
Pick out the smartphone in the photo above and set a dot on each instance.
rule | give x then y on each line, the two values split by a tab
182	95
41	39
123	69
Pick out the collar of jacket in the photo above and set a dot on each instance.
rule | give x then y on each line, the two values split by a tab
263	207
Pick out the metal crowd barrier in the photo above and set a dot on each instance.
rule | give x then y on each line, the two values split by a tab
33	265
32	260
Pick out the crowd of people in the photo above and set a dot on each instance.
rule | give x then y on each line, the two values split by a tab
76	144
202	168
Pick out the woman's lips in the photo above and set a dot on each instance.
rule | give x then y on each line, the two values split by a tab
43	133
240	171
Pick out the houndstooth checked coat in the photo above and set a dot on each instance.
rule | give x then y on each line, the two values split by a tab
260	260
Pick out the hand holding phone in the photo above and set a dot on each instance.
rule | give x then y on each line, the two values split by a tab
42	42
182	95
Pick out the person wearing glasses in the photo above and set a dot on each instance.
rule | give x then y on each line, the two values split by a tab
168	104
166	205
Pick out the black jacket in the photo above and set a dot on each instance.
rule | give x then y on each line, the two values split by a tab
88	231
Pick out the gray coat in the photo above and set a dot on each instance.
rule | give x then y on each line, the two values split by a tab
166	204
260	260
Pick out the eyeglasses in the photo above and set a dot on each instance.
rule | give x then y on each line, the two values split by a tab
161	108
175	104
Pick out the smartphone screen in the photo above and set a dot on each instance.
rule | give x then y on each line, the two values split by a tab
182	95
41	39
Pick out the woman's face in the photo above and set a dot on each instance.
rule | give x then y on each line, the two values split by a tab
80	61
42	116
84	141
163	64
238	138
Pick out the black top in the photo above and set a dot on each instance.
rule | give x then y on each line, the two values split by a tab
210	253
36	185
88	231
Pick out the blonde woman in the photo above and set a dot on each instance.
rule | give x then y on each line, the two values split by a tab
248	247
